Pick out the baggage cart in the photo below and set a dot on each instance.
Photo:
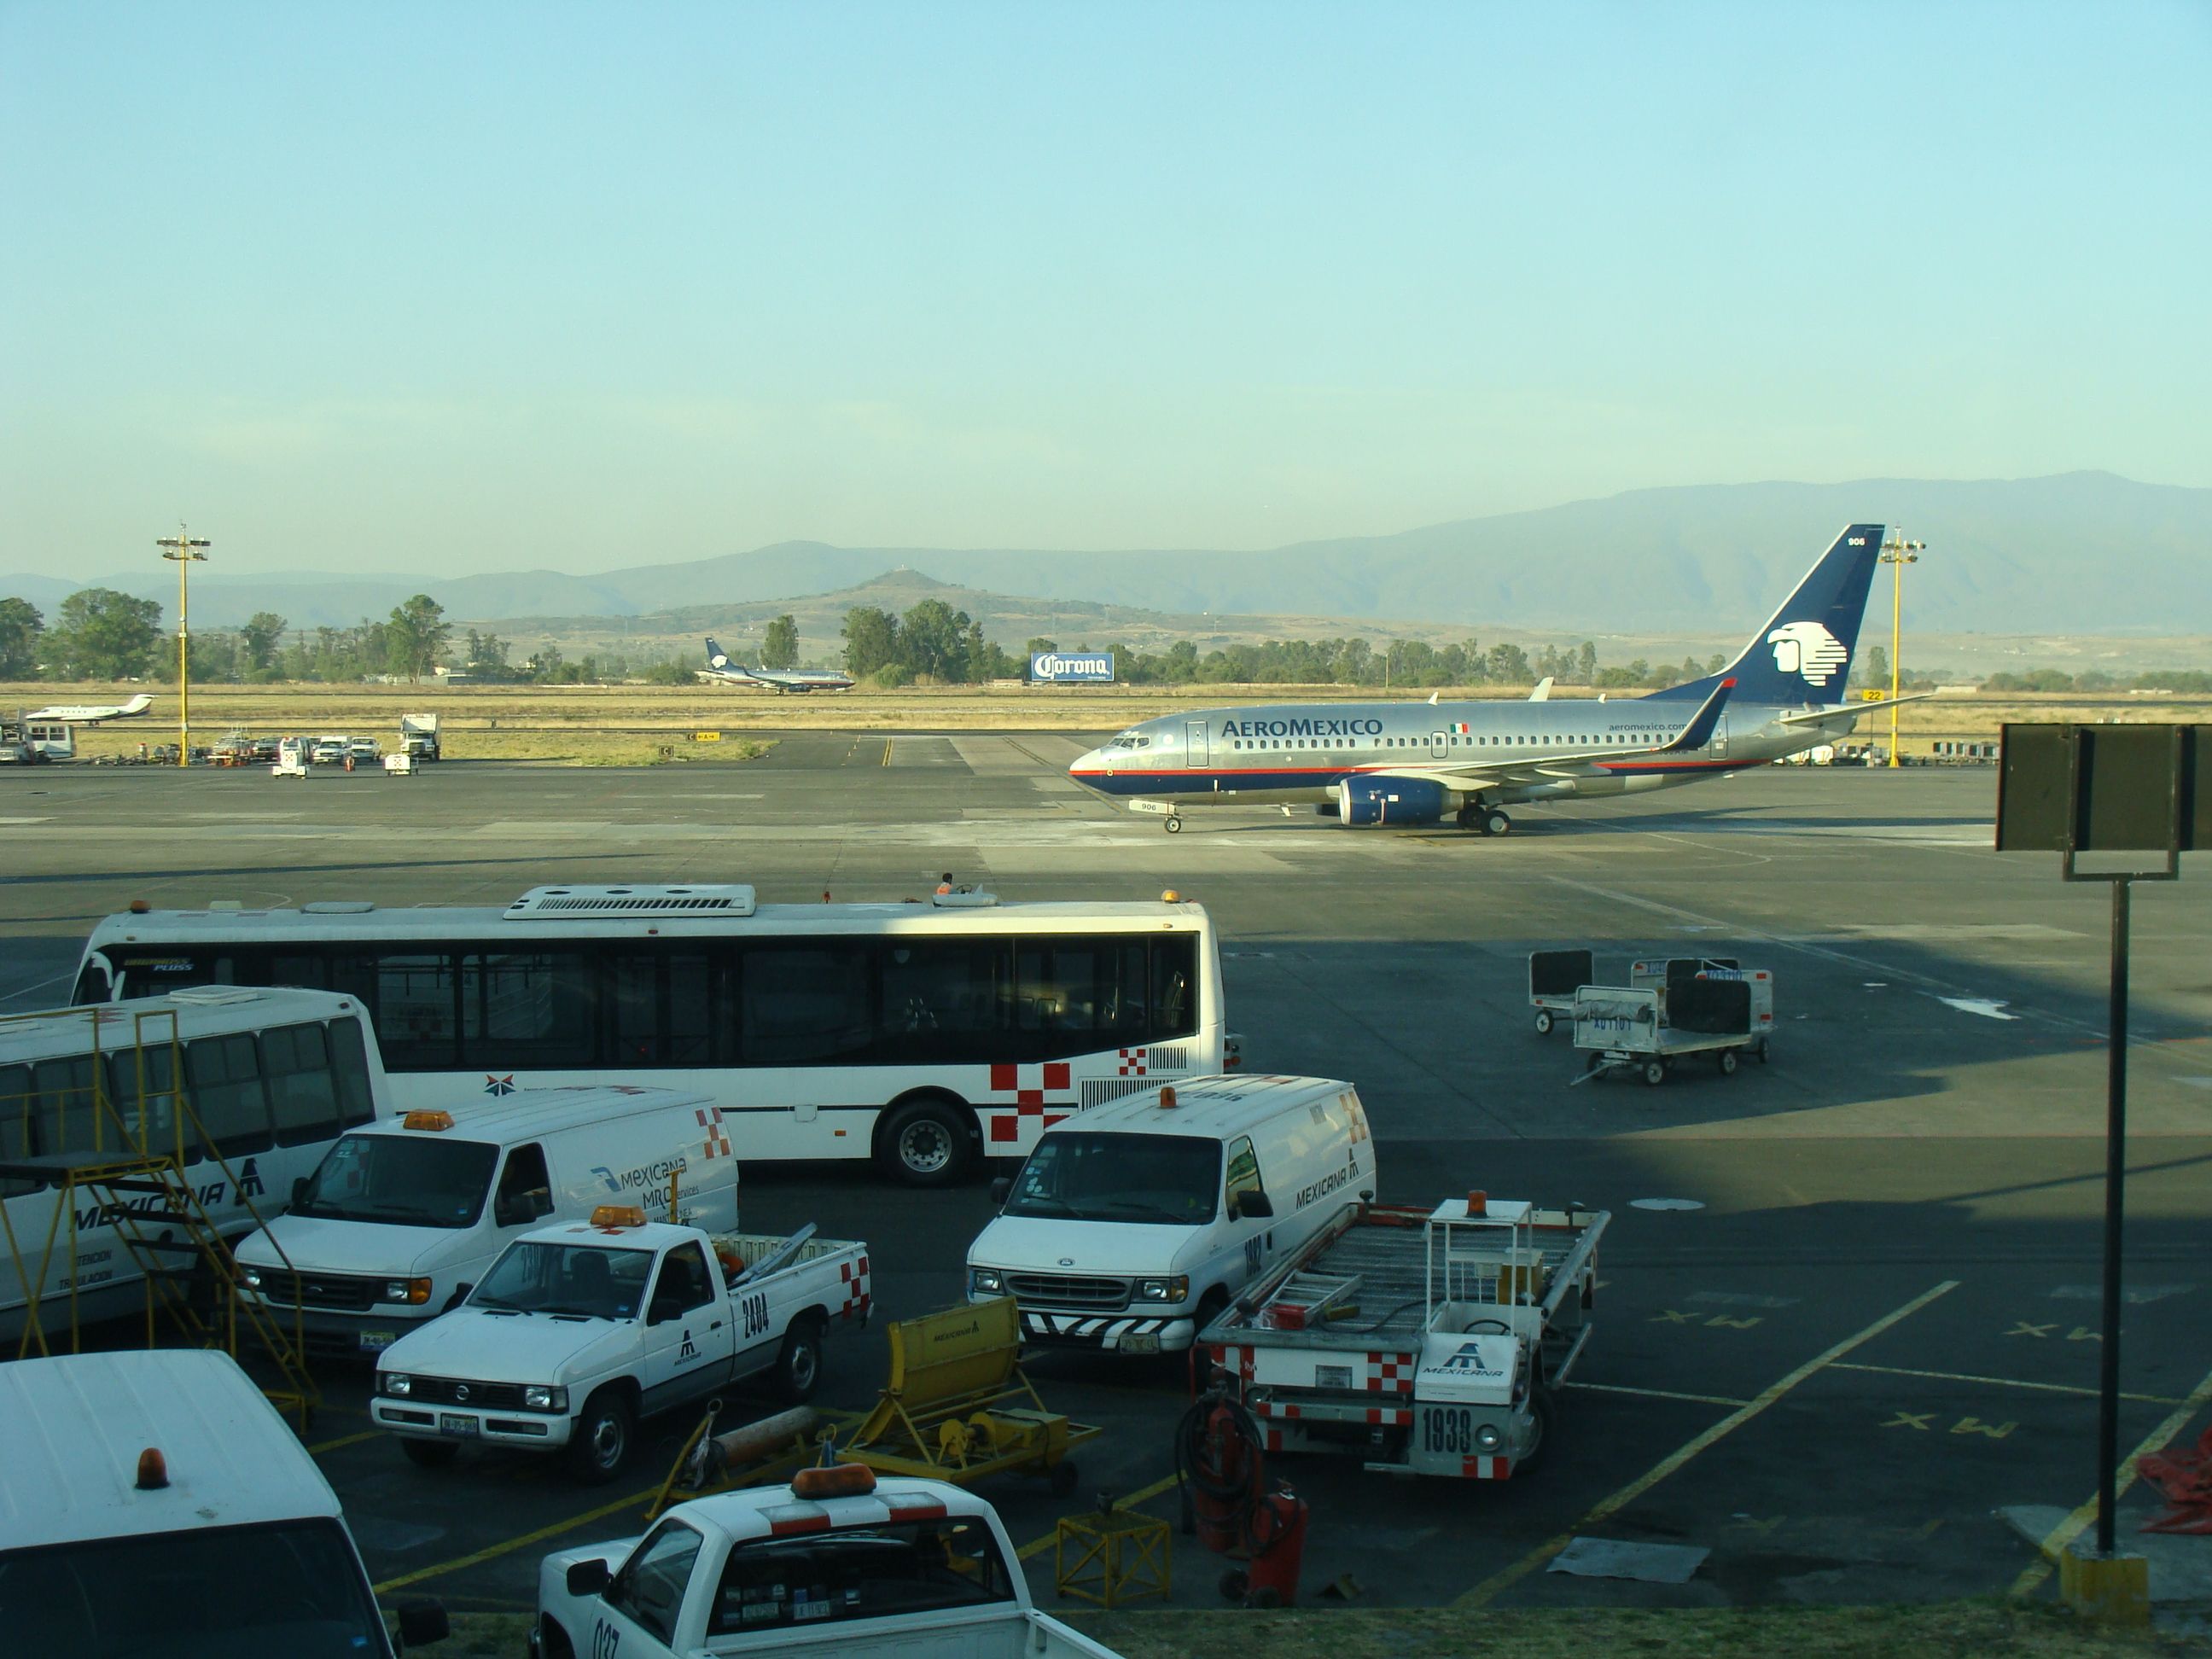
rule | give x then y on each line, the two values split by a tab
1688	1006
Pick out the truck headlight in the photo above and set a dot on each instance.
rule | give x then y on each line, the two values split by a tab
1487	1437
536	1399
397	1383
986	1281
1163	1289
414	1291
250	1277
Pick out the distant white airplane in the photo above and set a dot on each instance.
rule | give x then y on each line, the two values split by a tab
721	667
91	714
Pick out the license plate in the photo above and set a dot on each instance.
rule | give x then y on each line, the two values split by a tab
1139	1342
460	1427
377	1341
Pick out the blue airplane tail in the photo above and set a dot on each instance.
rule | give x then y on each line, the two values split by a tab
1803	653
716	657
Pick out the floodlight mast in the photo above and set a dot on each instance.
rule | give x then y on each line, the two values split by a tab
184	548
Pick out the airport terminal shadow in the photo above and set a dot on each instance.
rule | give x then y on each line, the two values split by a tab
1438	1033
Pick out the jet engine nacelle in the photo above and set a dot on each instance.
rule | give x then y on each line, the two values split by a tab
1362	802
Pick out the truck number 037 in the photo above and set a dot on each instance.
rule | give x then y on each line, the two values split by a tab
1448	1430
606	1638
755	1312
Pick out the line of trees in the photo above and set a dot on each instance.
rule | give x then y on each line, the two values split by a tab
931	641
98	634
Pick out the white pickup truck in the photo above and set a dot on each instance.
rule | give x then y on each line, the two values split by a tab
579	1329
832	1565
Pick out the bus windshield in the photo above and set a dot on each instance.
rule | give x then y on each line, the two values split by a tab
409	1181
578	1280
289	1587
1108	1178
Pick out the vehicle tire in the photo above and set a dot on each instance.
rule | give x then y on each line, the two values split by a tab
600	1443
1173	826
799	1363
1654	1073
430	1454
1727	1062
1233	1584
1209	1309
1759	1052
926	1143
1495	822
1546	1410
1264	1597
1061	1478
1543	1022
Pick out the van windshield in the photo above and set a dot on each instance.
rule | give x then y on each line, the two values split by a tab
290	1587
1173	1179
410	1181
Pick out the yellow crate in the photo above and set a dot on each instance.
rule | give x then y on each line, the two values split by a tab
1110	1556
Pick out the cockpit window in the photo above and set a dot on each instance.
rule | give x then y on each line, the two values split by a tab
1130	740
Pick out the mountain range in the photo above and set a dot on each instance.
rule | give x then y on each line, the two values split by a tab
2074	553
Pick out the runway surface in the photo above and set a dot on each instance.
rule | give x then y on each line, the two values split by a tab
1878	1328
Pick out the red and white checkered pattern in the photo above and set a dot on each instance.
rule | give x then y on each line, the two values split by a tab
1390	1373
854	1278
1379	1417
718	1139
1053	1077
1133	1062
1238	1360
1486	1468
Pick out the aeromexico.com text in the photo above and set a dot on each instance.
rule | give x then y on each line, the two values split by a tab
1302	728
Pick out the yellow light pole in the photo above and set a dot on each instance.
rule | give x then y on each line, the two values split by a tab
183	547
1897	554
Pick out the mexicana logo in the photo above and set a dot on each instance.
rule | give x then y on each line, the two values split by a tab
607	1176
1807	648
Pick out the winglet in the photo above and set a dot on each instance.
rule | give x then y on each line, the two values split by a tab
1699	732
1543	692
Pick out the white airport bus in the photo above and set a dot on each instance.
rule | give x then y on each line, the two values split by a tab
271	1079
927	1035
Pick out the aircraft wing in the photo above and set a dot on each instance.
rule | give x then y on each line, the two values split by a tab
1846	711
1569	763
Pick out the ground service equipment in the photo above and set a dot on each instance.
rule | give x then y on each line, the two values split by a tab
1427	1342
1672	1007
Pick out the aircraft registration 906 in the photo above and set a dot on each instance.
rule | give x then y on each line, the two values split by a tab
1375	764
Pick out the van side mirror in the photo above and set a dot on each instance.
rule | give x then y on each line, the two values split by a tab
299	1191
1002	1188
588	1576
1252	1205
422	1623
541	1203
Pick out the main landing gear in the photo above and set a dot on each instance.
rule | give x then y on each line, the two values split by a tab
1484	820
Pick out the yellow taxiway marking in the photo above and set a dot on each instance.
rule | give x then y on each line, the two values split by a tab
1658	1394
346	1440
1142	1495
2073	1525
636	1500
1999	1382
1488	1590
887	751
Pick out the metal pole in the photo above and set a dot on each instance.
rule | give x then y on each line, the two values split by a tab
1896	641
184	668
2116	1130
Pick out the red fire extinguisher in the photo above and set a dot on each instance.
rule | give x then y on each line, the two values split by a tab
1221	1462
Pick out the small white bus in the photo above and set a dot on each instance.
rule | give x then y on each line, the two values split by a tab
271	1077
927	1035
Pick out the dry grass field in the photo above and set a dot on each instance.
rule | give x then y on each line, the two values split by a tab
637	724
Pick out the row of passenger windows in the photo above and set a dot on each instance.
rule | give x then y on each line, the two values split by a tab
249	1091
1461	740
629	1004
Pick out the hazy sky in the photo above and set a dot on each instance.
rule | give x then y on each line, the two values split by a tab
467	287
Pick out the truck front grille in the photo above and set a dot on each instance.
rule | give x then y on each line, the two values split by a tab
1069	1291
348	1292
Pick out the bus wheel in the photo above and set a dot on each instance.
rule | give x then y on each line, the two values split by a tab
926	1144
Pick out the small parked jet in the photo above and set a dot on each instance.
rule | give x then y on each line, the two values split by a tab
1369	763
720	667
91	713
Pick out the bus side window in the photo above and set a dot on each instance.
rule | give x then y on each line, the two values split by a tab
67	1123
224	1073
17	1135
524	1011
1175	986
943	1001
140	1085
415	1012
804	1003
302	1093
350	1072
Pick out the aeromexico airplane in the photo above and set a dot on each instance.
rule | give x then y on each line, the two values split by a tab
720	667
1370	764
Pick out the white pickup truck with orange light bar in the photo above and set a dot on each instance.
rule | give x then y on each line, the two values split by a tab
403	1216
1427	1341
578	1331
836	1563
